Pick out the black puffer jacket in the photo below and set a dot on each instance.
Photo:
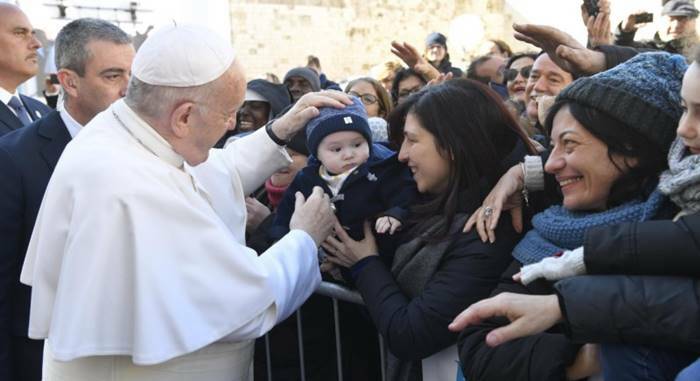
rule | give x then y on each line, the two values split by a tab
541	357
663	311
661	247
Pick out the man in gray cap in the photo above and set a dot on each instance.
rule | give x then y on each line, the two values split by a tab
678	34
137	261
300	81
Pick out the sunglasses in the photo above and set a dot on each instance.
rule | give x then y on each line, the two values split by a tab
511	74
367	99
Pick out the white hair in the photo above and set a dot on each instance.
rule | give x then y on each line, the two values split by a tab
155	101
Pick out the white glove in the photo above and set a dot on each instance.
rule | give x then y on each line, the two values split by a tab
555	268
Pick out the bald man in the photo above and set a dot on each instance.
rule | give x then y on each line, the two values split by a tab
18	62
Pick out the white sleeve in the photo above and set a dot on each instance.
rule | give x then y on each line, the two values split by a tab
292	263
255	158
533	173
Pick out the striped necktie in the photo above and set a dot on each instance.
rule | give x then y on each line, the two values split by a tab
20	110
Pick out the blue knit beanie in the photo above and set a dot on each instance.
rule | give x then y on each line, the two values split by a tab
330	119
642	93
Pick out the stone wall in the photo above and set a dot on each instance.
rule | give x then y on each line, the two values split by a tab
351	36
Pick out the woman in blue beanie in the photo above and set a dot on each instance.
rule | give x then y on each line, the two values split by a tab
609	136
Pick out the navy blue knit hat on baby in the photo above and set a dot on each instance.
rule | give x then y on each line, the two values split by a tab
330	119
643	93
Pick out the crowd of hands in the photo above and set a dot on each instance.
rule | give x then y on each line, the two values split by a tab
528	315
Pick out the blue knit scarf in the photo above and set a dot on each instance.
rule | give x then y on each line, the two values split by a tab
558	229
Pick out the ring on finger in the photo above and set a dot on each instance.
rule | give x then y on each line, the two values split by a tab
488	211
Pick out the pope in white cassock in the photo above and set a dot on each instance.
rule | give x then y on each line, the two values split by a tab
137	262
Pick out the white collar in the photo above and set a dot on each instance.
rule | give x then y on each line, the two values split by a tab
145	134
5	95
334	182
71	124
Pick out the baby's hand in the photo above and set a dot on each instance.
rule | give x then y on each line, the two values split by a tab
387	223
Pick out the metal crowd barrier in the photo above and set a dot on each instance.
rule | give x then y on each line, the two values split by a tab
335	292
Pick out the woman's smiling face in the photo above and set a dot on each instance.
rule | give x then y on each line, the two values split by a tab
419	151
689	125
581	164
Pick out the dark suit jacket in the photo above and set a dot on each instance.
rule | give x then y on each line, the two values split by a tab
10	122
28	157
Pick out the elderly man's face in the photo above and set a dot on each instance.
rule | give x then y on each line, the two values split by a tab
298	86
680	26
19	60
211	119
107	72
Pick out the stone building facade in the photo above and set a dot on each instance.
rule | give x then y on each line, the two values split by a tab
351	36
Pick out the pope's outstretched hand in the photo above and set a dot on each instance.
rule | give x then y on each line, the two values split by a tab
313	215
305	109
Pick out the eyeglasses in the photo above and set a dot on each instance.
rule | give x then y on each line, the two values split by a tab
367	99
511	74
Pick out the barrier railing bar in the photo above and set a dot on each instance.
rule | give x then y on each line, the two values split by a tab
268	357
382	360
335	292
338	354
339	292
300	341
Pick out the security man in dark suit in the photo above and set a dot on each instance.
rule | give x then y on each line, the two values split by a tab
93	58
19	61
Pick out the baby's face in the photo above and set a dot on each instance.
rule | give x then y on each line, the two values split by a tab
341	151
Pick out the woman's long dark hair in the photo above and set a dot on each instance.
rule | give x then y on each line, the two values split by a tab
475	132
623	140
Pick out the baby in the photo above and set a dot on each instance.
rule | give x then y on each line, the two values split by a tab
364	180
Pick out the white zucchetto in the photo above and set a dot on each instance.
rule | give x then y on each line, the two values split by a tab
182	56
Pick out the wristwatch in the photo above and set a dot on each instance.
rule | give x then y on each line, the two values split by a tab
271	134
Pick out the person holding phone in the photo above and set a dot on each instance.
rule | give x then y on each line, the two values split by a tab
677	34
596	18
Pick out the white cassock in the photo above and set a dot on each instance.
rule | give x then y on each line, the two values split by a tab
131	255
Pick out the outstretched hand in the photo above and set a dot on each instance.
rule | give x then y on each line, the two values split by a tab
563	49
505	195
528	315
345	251
313	215
599	25
413	59
305	109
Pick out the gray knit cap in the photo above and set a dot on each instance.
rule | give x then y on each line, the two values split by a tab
307	74
643	93
680	8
